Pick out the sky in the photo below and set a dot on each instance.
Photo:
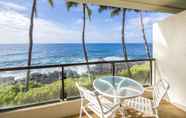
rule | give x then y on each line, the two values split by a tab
58	25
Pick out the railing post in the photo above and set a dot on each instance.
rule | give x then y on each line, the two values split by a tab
113	69
62	91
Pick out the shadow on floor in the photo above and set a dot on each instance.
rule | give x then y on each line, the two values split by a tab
166	110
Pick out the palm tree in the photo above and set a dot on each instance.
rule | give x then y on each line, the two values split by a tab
86	10
123	40
83	34
115	12
147	49
31	28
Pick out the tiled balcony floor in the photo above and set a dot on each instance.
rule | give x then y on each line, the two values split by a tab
166	110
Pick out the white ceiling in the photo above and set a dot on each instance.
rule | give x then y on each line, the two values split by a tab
172	6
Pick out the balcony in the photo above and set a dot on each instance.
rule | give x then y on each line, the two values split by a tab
64	109
51	88
166	110
55	83
56	97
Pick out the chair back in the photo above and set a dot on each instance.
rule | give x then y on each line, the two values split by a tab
90	96
159	91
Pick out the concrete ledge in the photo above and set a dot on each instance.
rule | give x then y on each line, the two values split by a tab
66	108
55	110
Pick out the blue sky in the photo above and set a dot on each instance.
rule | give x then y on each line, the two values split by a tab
57	25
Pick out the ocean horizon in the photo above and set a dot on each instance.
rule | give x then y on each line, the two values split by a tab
13	55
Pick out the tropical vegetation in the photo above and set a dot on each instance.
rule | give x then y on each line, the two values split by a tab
13	95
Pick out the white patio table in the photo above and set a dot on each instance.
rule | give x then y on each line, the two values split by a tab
118	88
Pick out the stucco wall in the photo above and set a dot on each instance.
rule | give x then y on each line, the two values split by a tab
169	49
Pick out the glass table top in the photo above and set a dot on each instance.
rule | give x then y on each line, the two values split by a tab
116	86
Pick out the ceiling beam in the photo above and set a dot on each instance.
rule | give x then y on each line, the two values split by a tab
134	4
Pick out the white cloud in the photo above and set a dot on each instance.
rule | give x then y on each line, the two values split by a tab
147	20
133	28
9	5
14	29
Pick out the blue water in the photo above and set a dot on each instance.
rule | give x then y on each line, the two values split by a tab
16	54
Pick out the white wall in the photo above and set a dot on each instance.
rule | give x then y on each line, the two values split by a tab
169	49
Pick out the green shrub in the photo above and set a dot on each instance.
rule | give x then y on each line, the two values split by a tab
12	95
39	94
139	72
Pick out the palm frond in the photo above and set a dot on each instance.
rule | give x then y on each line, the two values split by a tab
102	8
136	10
35	9
115	11
51	3
144	11
70	5
88	11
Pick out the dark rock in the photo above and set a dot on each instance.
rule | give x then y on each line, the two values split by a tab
7	80
71	73
105	68
44	78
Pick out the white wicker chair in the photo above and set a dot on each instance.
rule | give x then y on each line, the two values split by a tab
147	106
98	104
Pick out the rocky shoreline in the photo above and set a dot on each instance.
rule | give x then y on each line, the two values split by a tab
49	77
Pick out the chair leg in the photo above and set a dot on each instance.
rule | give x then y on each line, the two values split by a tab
81	109
156	110
113	115
81	113
121	110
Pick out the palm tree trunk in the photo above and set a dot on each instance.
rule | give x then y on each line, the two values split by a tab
83	39
147	49
125	54
30	43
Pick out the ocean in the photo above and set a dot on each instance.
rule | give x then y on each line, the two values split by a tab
13	55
